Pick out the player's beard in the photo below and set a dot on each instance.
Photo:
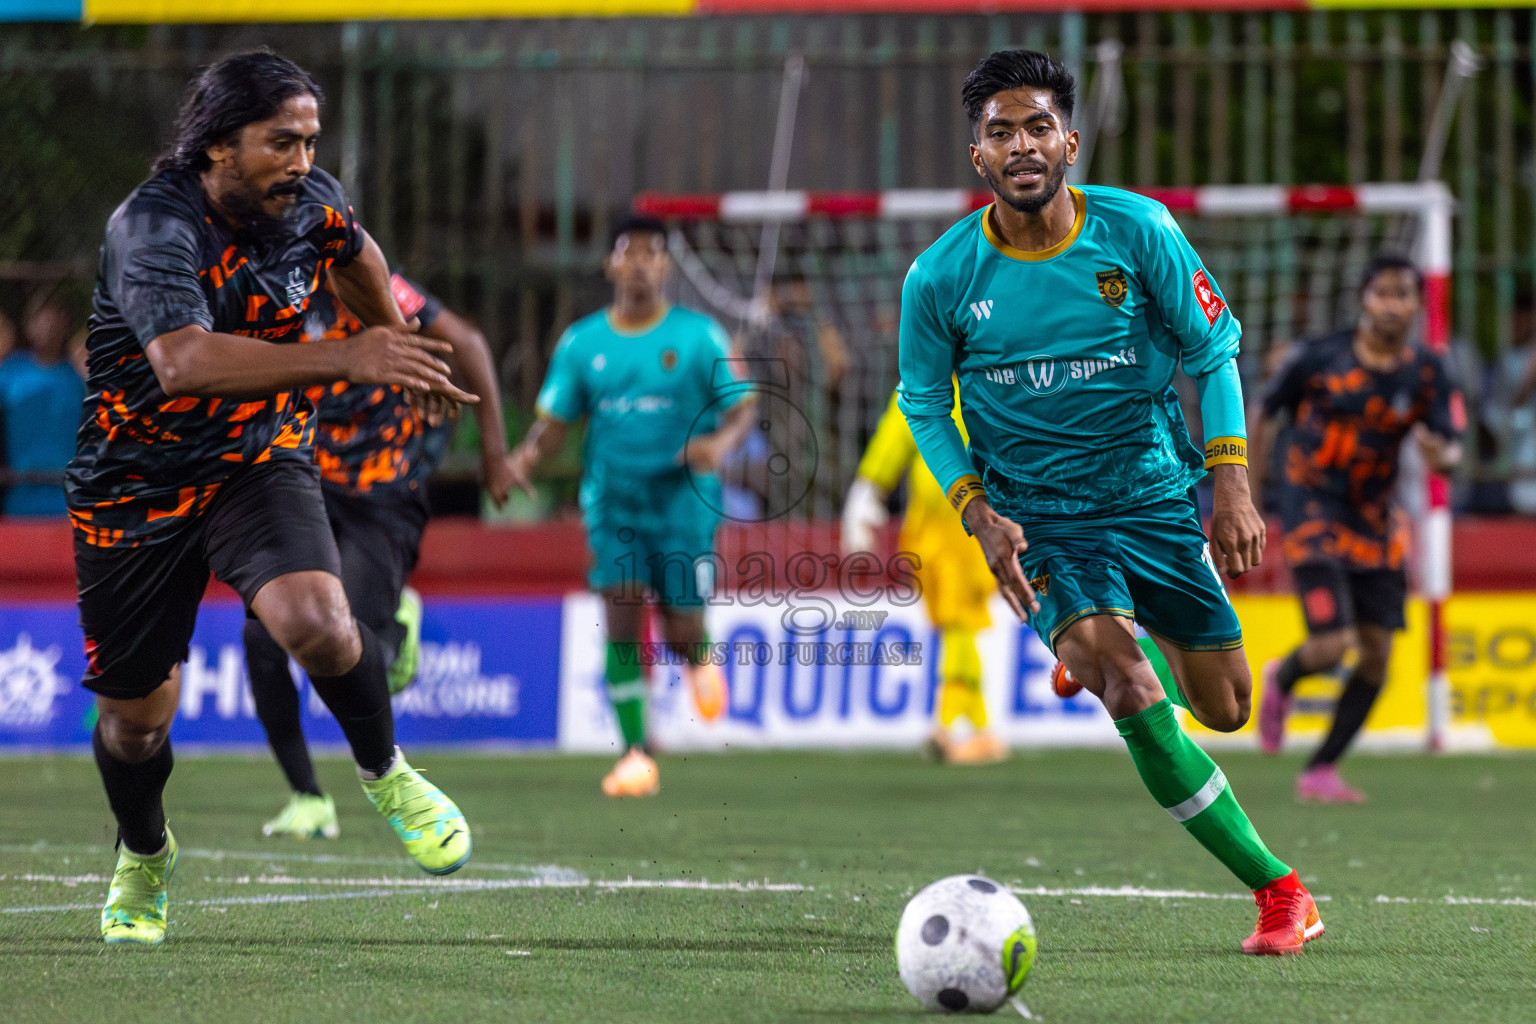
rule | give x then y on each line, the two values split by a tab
245	206
1034	204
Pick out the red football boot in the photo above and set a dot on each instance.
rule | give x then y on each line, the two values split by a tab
1063	684
1287	918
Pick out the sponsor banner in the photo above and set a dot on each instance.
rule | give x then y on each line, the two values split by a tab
822	672
530	671
481	681
1492	665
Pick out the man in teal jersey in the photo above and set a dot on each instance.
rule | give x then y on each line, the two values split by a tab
1063	313
664	407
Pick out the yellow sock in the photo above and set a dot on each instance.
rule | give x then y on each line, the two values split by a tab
954	701
978	712
960	669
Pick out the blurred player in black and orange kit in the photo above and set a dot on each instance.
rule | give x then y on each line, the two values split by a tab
194	453
1352	397
375	452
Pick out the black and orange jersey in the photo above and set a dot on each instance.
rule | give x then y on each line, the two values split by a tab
1341	450
368	440
147	464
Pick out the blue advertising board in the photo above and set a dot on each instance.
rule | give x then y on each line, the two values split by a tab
489	674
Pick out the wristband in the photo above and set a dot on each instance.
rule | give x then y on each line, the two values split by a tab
1226	451
962	491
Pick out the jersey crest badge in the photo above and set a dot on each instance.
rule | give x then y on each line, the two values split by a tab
669	359
1112	286
295	288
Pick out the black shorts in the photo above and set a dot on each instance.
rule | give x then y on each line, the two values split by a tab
138	605
379	539
1334	596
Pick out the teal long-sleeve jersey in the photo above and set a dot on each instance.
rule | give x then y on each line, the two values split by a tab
1065	359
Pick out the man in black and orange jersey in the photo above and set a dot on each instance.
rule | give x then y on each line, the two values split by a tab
193	454
1352	398
375	452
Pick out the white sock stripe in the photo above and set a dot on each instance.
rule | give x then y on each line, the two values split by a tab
1207	794
619	692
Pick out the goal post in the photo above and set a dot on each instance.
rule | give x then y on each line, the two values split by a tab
1287	257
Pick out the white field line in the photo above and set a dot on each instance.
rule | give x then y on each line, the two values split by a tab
273	855
561	881
553	876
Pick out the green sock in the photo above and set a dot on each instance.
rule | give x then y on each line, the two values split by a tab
1187	783
626	690
1164	673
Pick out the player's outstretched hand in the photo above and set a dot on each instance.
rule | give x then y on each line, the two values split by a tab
1237	529
1002	542
387	355
500	477
519	465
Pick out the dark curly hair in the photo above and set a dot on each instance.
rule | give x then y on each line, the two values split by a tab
238	90
1391	261
1017	69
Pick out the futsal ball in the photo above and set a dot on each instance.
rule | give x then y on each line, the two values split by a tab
965	943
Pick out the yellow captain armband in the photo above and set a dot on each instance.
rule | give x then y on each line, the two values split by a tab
963	490
1223	451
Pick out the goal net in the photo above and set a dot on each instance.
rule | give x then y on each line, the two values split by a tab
810	285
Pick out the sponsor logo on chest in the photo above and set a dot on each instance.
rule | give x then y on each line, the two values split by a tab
1046	375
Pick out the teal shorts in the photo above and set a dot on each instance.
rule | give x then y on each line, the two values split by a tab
1150	564
659	533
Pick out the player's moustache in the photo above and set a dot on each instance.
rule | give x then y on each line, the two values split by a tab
1024	167
290	187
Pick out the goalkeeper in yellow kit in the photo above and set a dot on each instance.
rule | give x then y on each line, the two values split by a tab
953	574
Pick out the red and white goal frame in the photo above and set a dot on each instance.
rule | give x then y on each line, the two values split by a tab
1430	204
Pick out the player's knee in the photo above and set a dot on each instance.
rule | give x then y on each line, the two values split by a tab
324	642
1328	649
1227	714
132	741
1124	684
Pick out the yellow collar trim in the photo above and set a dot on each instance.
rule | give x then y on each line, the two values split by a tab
1079	200
645	328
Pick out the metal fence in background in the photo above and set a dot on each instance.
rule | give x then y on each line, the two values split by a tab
491	158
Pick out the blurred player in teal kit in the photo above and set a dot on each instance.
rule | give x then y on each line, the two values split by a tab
1063	313
664	407
375	450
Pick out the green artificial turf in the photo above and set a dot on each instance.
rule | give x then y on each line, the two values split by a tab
264	930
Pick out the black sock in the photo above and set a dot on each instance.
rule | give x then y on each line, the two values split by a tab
1348	716
133	791
1290	671
360	701
277	706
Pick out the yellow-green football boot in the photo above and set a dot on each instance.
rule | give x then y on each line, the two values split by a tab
135	910
306	816
402	671
428	823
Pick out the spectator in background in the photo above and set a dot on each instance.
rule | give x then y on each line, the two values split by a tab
40	400
7	335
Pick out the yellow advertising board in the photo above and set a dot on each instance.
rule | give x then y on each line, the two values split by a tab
1492	662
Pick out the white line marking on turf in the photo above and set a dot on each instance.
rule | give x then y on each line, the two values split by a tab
1461	901
269	855
382	887
560	881
1137	892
